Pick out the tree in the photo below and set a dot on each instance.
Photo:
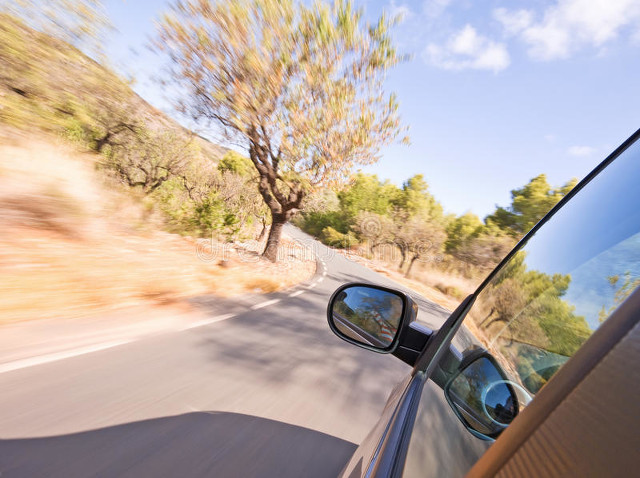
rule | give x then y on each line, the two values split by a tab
418	222
422	239
530	303
461	230
416	199
622	291
299	86
366	192
149	159
375	228
484	251
236	163
529	204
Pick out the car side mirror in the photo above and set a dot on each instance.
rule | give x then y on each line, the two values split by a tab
482	397
370	316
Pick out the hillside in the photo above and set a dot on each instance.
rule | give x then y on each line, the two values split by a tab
49	85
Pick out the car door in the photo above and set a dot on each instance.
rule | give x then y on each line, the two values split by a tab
545	302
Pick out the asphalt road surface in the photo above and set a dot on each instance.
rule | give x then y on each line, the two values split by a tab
260	388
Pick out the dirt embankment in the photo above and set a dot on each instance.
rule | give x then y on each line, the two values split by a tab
72	244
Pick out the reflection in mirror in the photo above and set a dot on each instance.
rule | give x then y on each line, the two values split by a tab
482	397
367	315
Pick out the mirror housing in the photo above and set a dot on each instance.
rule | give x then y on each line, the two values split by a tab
482	396
374	317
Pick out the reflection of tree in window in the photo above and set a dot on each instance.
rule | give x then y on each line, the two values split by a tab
377	312
622	291
382	314
528	318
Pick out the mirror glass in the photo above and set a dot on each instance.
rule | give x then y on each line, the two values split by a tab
485	401
367	315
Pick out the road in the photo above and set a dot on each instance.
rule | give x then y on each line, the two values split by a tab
260	388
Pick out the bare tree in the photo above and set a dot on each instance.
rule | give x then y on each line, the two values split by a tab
375	228
422	240
299	86
149	159
484	251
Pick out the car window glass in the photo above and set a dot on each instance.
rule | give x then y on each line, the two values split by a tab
548	299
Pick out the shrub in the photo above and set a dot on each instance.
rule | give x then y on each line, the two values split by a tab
334	238
314	223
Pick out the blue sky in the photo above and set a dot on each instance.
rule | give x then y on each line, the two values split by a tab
496	91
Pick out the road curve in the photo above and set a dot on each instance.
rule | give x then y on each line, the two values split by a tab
263	390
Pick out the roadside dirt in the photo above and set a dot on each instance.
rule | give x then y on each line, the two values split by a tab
71	245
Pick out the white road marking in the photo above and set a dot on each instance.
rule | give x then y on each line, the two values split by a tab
311	286
264	304
321	279
212	320
324	273
42	359
296	294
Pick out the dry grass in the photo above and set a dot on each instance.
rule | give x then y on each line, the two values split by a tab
71	245
436	281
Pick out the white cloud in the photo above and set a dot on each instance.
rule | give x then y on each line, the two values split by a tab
570	25
435	8
513	22
581	151
467	49
402	11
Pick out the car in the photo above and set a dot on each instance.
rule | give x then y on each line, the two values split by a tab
534	374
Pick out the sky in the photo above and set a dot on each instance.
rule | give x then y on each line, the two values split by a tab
495	91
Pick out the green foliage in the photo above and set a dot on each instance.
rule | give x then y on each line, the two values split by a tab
236	163
622	291
416	200
543	318
199	215
334	238
461	230
315	222
324	200
529	204
178	211
367	193
210	215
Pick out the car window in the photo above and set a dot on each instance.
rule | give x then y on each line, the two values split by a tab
541	306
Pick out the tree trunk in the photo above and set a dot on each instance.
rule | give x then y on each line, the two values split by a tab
413	259
497	319
263	232
486	319
271	249
403	257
